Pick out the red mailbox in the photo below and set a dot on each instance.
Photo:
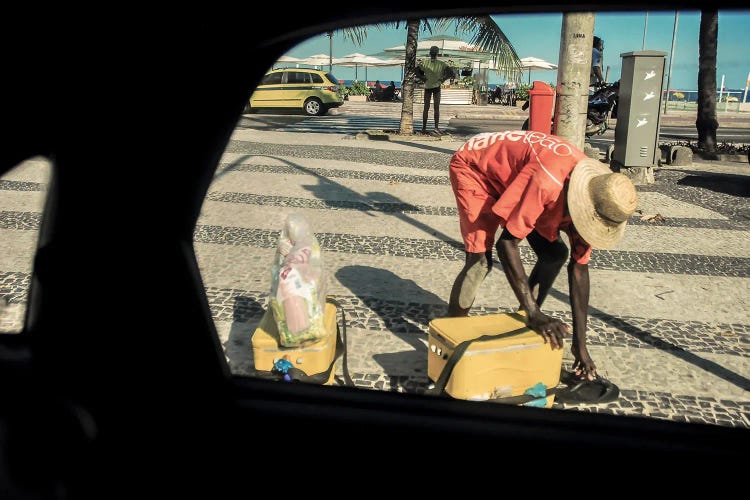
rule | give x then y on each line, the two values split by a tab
541	106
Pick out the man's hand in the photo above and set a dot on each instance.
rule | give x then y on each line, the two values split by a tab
583	366
552	330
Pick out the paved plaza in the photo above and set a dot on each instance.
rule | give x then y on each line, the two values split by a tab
669	309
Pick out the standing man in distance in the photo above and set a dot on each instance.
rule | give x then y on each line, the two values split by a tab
596	78
435	72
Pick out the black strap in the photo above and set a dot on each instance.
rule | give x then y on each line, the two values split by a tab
522	399
439	388
341	345
298	375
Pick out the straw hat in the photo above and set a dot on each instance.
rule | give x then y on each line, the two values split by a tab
600	202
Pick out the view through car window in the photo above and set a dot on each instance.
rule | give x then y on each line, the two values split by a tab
332	224
24	191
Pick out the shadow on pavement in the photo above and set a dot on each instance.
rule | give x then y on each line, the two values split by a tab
733	185
654	341
246	314
407	315
223	171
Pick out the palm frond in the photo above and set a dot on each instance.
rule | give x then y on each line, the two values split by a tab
487	35
355	34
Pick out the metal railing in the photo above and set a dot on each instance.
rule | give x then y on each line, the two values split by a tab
726	101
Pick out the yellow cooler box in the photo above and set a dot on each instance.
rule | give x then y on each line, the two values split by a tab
492	357
309	363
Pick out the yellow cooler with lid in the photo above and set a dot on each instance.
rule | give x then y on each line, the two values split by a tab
492	357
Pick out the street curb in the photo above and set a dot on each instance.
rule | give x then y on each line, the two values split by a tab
384	135
663	119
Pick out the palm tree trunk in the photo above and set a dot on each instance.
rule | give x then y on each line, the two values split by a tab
706	122
410	69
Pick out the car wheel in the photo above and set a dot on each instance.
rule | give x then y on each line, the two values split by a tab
525	125
314	107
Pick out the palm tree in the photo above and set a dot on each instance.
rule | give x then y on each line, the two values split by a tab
410	72
706	122
486	35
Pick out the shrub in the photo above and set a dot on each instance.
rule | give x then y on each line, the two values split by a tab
522	91
358	88
467	81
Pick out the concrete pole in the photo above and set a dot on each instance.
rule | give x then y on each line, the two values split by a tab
330	51
571	103
671	54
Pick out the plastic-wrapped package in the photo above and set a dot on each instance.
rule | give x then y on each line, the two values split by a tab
298	285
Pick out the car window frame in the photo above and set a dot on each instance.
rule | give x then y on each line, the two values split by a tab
121	370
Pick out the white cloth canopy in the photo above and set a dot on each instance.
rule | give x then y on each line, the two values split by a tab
286	61
459	51
316	60
353	60
536	64
289	59
356	60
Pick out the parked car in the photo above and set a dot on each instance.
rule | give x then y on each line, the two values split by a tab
313	91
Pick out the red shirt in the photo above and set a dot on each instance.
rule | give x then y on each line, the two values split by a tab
525	172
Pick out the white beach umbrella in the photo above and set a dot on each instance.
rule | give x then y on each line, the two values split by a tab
286	61
316	60
536	64
356	60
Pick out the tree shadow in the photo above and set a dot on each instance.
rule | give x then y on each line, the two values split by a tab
375	201
231	166
426	146
654	341
406	315
730	184
387	203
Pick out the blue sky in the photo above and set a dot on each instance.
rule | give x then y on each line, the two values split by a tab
538	35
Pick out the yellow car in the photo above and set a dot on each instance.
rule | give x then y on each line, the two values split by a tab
313	91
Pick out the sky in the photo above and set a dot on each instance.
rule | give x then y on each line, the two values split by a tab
538	35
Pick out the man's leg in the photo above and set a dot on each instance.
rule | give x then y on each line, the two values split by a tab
551	256
436	100
466	286
426	109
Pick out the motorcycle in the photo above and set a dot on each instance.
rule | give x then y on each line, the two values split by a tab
602	106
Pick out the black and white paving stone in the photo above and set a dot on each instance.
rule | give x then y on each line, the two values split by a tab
684	366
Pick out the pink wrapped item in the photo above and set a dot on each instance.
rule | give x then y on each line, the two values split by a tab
298	285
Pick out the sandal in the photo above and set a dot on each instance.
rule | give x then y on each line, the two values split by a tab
597	391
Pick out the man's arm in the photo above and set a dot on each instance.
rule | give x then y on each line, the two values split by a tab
551	329
421	76
598	73
578	285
